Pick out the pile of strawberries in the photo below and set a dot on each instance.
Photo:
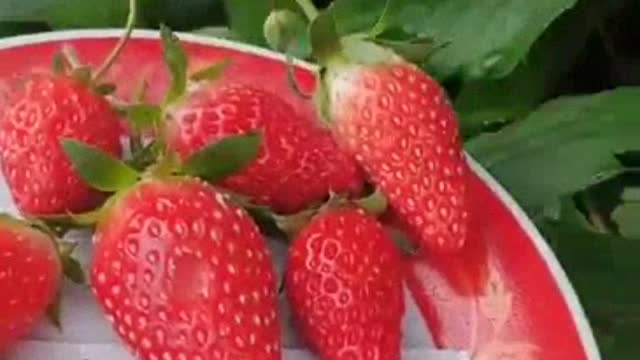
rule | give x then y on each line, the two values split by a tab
181	267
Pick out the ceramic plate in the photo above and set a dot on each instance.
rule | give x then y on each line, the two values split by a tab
505	297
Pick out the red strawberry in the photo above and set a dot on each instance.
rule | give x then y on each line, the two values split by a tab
299	162
399	125
30	276
344	281
184	274
41	112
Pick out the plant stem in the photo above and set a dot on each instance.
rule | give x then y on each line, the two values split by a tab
309	9
117	50
71	57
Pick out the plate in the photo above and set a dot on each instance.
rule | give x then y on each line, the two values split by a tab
505	297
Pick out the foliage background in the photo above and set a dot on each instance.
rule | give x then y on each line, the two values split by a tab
548	96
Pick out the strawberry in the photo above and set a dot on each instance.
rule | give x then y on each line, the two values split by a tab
183	274
401	128
344	282
30	276
394	119
45	109
299	163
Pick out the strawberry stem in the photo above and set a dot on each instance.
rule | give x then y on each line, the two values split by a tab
117	50
309	9
69	54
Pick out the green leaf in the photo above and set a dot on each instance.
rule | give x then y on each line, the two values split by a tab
486	38
603	268
224	157
211	72
415	50
65	14
566	145
631	194
627	214
100	170
182	15
144	116
486	102
21	10
176	60
618	340
11	28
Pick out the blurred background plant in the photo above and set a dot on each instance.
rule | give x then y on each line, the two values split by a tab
548	96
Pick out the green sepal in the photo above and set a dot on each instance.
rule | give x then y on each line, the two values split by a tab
375	204
224	157
60	224
211	72
176	60
144	116
105	88
59	64
54	310
143	156
71	267
402	241
100	170
82	74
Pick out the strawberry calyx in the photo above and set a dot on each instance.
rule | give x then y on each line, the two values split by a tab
108	174
382	44
150	118
288	226
67	63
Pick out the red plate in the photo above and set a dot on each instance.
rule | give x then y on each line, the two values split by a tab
505	298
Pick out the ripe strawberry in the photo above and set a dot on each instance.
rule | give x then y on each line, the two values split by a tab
299	163
38	114
344	281
184	274
30	276
401	128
